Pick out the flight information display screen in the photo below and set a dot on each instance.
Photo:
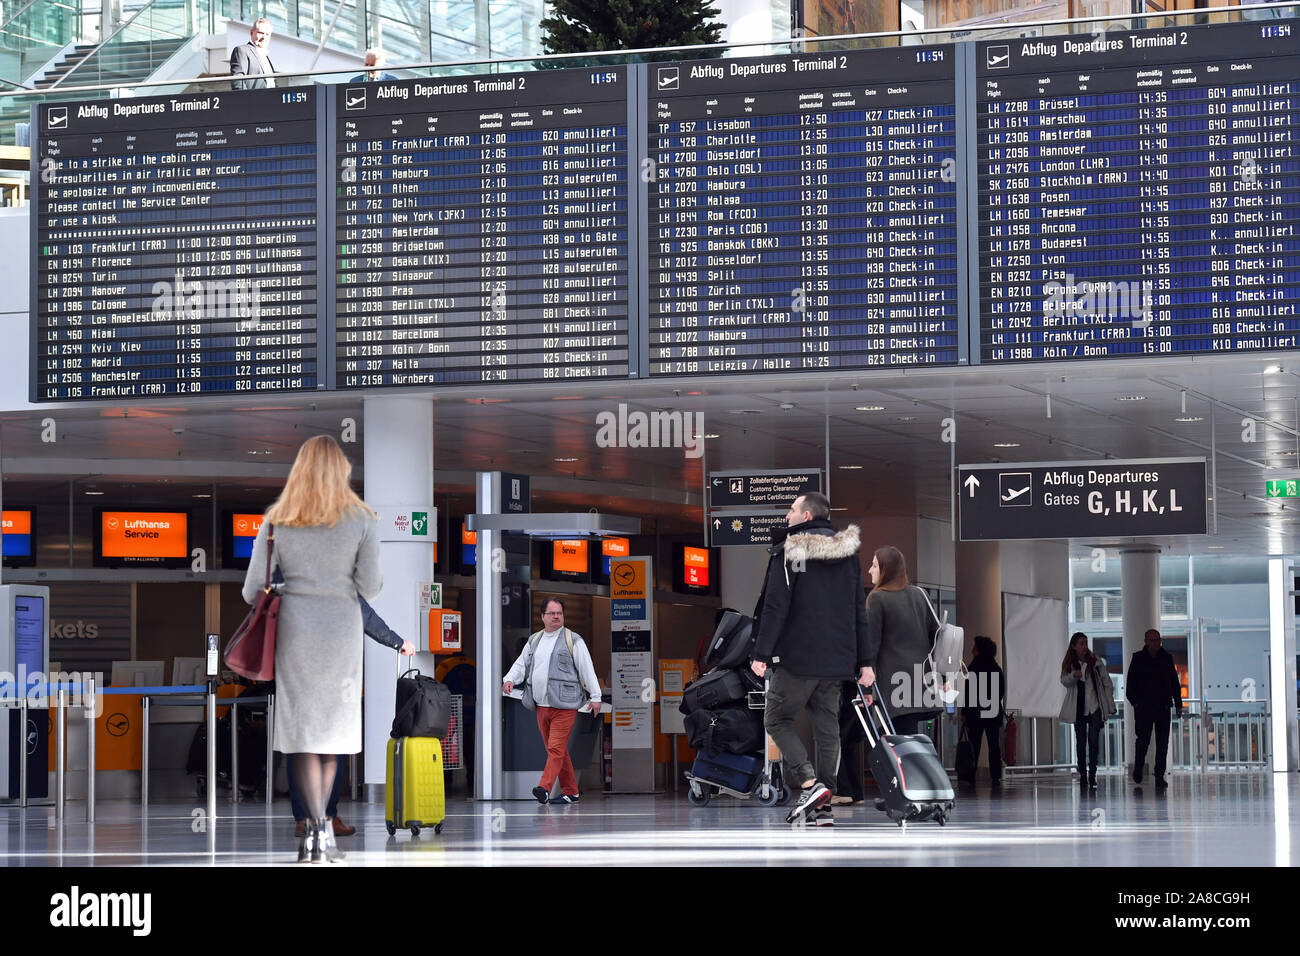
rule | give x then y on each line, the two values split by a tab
175	246
482	231
1139	193
803	212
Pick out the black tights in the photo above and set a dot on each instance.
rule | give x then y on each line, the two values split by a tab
313	776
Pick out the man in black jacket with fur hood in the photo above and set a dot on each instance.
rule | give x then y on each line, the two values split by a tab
812	630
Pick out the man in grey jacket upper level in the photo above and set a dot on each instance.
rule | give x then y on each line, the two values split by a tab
253	60
557	667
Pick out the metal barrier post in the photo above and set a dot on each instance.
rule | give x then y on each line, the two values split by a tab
234	750
270	753
61	751
144	752
22	762
212	754
88	689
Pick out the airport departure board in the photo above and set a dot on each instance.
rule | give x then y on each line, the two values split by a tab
803	212
1139	193
482	231
175	246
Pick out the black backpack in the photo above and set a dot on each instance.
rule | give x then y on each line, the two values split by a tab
733	730
423	707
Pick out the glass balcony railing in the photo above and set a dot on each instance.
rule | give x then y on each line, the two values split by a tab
144	42
33	34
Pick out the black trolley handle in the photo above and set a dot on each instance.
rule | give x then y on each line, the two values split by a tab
874	717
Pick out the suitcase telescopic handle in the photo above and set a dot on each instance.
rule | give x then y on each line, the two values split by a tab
874	714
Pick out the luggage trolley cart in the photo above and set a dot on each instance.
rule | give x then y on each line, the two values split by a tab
767	787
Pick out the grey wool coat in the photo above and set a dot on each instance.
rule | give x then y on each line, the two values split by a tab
318	651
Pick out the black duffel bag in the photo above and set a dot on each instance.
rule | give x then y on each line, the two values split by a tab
732	644
718	689
423	706
733	730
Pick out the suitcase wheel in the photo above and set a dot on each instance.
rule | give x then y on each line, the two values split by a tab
437	828
415	831
941	818
772	796
392	827
698	796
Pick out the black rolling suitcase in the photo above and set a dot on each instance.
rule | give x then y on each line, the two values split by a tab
719	689
908	771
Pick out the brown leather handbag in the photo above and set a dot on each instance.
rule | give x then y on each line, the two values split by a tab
251	652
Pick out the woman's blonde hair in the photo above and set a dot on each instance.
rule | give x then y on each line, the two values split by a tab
317	492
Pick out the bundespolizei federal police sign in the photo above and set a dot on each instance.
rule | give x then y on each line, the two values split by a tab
1082	499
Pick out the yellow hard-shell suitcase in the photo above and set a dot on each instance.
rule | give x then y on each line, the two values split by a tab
415	795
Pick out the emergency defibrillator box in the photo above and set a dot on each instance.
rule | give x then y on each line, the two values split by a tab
441	632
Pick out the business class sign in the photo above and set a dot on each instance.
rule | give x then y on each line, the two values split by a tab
1082	499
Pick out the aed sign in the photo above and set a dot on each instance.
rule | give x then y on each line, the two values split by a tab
1090	499
146	537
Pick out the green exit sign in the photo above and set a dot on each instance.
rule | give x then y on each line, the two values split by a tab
1287	488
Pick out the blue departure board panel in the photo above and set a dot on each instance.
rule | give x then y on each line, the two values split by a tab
803	213
175	246
482	231
1139	193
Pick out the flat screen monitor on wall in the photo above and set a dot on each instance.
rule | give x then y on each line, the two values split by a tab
238	532
158	539
137	674
691	570
566	560
19	547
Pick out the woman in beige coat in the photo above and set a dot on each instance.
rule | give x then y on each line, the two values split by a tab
324	540
1089	701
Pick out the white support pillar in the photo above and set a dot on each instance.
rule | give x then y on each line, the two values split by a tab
1140	594
398	441
1282	668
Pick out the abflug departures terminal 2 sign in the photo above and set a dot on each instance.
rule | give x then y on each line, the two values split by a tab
1088	499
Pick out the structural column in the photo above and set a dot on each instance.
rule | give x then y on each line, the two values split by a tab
1140	596
398	441
979	591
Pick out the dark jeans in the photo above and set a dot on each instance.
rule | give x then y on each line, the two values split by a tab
1149	718
848	782
331	805
980	727
1087	738
786	696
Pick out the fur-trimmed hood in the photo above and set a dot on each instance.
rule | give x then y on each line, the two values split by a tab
817	541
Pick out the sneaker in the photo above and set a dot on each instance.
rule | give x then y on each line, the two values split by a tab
811	799
541	794
825	817
568	798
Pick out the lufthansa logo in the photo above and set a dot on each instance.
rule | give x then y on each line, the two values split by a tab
624	575
118	725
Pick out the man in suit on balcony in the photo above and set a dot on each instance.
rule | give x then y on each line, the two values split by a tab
252	61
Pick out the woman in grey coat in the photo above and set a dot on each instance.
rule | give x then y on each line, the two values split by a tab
325	542
1089	702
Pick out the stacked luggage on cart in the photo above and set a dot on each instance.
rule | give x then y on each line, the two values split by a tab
724	722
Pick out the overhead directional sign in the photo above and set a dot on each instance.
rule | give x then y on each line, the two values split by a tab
737	528
1082	499
771	488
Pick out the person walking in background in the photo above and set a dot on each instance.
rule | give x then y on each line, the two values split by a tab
1089	702
375	62
555	666
900	637
812	631
324	540
252	60
1152	686
983	712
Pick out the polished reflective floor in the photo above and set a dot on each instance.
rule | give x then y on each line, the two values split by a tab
1218	820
